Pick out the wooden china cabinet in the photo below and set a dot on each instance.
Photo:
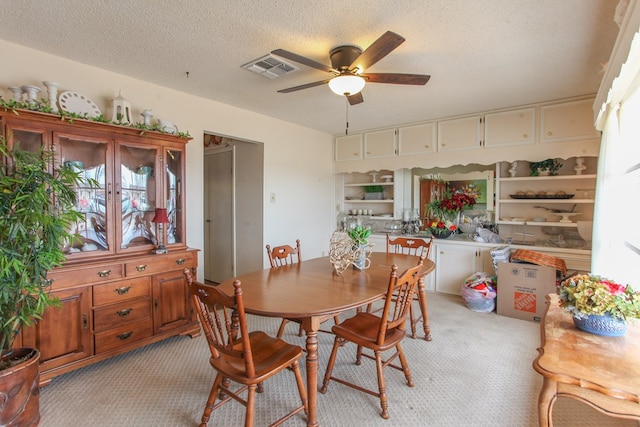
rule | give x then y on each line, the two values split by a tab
115	294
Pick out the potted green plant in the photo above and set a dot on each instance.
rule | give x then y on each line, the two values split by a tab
360	249
37	211
373	192
545	167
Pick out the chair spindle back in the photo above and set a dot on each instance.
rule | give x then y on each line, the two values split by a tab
223	321
409	246
398	298
284	255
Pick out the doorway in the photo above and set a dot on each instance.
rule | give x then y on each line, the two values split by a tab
233	207
219	216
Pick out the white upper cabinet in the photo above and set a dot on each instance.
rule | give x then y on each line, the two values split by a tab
567	121
510	127
418	139
460	134
380	144
348	147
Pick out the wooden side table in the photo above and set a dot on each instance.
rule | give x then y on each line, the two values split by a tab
603	372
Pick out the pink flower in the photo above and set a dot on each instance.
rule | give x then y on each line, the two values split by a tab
614	288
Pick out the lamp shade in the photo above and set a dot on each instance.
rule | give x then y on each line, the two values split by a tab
161	216
346	85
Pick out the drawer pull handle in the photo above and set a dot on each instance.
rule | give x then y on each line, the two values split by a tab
104	273
125	312
180	261
141	267
123	290
124	336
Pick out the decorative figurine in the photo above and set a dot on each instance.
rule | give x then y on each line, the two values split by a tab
579	167
121	109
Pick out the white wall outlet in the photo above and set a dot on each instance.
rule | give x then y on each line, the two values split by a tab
272	197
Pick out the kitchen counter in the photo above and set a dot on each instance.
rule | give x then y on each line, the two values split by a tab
462	239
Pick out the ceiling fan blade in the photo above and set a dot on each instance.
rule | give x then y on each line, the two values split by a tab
396	78
355	99
378	50
305	86
303	60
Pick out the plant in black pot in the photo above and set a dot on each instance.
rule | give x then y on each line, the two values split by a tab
37	212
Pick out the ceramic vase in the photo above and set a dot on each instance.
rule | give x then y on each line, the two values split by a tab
32	93
17	93
52	90
360	259
442	234
605	325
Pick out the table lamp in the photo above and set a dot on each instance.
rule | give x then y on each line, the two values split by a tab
160	219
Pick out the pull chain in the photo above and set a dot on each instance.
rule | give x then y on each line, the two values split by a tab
346	130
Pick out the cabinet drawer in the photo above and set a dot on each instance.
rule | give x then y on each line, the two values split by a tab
87	276
115	315
121	291
159	264
124	335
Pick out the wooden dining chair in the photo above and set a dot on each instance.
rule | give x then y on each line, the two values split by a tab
418	247
379	334
284	255
287	255
246	358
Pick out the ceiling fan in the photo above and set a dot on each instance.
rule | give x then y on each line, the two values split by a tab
347	65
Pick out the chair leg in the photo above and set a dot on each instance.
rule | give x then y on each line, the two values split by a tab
251	400
359	355
422	301
382	387
332	361
211	400
300	331
281	328
412	321
302	389
405	365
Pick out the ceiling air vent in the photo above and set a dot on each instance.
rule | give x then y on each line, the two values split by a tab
270	66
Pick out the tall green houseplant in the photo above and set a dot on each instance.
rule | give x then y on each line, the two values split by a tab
37	212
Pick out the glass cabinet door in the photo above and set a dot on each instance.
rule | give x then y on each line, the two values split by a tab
174	198
92	158
28	139
136	191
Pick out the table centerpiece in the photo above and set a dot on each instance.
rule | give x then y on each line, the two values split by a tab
599	305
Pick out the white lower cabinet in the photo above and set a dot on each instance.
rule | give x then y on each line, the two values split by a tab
456	262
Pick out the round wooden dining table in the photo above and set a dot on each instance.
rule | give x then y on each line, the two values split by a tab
311	290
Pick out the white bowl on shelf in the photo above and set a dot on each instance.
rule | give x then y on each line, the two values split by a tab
468	227
585	229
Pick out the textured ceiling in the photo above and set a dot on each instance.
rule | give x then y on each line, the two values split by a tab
481	54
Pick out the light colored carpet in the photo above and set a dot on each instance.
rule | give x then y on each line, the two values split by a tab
476	372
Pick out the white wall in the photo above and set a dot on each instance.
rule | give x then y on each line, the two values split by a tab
298	160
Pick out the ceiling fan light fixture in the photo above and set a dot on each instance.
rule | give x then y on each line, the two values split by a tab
346	85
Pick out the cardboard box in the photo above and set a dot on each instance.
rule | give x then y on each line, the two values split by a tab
522	289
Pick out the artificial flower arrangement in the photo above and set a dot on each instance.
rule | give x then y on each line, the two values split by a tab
450	204
585	295
442	228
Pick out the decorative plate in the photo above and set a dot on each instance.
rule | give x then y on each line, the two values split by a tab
520	196
73	102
